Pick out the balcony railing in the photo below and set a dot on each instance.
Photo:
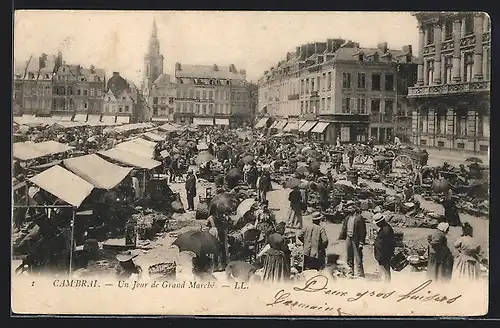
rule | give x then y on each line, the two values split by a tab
432	90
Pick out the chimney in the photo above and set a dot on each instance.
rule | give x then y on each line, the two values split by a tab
116	74
178	67
42	61
320	47
336	43
216	68
59	60
303	51
407	49
382	47
329	45
232	68
297	52
243	73
92	69
310	49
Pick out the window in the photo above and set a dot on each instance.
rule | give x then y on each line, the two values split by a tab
322	104
197	94
197	108
440	122
318	83
324	82
389	82
483	148
99	93
448	30
217	94
361	81
210	109
307	86
210	95
361	108
312	85
389	107
440	143
430	35
92	92
346	80
227	95
468	64
155	100
430	72
204	95
460	145
301	107
85	92
487	63
302	89
126	108
204	109
448	68
120	109
346	105
461	123
376	82
329	80
329	103
79	92
375	105
106	108
469	25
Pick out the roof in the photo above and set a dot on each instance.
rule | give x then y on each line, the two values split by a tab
163	79
153	136
307	126
349	54
169	127
117	84
64	185
29	150
129	158
207	71
139	147
100	173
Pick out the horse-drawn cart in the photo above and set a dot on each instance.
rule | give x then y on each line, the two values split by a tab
406	159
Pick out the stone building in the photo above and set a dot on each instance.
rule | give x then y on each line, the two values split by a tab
122	99
451	98
337	89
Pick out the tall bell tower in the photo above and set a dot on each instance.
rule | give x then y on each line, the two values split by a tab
153	60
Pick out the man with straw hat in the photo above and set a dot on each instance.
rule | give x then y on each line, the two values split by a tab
383	246
315	243
354	233
128	269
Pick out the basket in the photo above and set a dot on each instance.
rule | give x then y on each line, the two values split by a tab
399	262
163	270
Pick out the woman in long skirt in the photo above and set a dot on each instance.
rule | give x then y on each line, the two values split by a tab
466	265
440	263
276	260
294	218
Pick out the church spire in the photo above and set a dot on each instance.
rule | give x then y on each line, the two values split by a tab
154	43
155	30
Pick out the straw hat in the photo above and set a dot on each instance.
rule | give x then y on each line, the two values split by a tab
316	216
377	218
125	256
443	226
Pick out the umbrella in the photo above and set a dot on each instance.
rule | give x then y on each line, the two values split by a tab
379	158
440	185
197	241
224	203
91	139
203	157
474	160
302	170
176	156
293	182
244	207
306	149
247	159
234	173
202	146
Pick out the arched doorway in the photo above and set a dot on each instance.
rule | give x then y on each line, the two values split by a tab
441	119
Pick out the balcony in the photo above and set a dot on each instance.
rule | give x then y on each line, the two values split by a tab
448	89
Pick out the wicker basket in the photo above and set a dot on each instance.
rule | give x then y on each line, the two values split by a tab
163	271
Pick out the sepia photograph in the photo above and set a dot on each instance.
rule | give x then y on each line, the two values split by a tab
250	163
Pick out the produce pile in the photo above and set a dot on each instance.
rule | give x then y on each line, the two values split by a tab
148	224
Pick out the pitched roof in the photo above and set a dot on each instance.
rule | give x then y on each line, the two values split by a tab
349	54
163	79
206	71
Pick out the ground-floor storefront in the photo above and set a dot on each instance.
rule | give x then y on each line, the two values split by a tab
455	122
381	134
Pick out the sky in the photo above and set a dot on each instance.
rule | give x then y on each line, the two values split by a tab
251	40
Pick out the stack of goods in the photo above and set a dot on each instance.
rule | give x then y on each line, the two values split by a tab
163	271
419	221
179	221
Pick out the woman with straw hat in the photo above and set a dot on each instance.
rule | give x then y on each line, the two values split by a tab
440	263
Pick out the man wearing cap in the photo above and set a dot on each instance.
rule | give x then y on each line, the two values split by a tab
190	189
383	246
354	233
315	243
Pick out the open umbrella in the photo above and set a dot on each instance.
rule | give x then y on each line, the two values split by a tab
224	203
247	159
234	173
440	185
244	207
202	146
197	241
474	160
305	149
203	158
293	182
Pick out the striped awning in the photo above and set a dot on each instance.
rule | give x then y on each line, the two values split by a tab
262	122
307	126
203	121
291	126
320	127
281	124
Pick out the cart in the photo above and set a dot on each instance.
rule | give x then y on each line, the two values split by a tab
406	160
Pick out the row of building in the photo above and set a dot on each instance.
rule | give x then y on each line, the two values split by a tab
438	98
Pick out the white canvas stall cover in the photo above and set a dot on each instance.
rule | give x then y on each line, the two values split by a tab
63	184
94	120
136	146
99	172
29	150
109	120
221	121
281	124
168	127
203	121
291	126
320	127
153	136
300	123
66	118
80	118
130	159
123	119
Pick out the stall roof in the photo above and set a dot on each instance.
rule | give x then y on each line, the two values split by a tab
29	150
320	127
99	172
203	121
221	121
262	122
153	136
64	185
128	158
139	147
168	127
307	126
94	120
123	119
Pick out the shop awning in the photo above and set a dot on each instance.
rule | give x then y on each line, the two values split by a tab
203	121
281	124
300	123
130	159
66	118
291	126
159	119
99	172
273	126
29	150
168	127
64	185
320	127
153	136
221	121
139	147
80	118
306	127
94	120
262	122
122	119
109	120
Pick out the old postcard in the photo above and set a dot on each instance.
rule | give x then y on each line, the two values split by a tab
251	163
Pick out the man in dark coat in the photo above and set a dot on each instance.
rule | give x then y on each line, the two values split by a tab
315	243
354	233
351	153
190	190
264	185
383	246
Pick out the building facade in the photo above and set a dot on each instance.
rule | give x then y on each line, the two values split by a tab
48	85
451	98
351	91
122	99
